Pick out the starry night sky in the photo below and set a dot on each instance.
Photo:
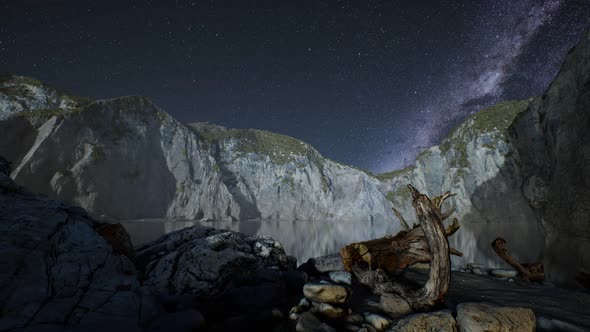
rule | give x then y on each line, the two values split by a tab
368	83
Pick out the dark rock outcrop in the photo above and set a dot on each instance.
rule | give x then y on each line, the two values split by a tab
59	270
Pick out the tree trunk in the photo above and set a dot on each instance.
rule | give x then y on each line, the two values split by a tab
398	252
428	243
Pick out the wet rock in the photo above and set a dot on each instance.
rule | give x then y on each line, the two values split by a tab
330	311
504	273
484	317
185	321
475	266
308	322
354	318
379	322
326	293
304	303
341	277
206	261
441	321
481	271
322	264
58	270
369	328
393	305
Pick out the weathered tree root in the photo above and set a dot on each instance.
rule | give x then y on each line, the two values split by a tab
532	272
426	243
394	253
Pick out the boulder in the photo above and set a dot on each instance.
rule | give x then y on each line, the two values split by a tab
393	305
484	317
206	262
326	293
440	321
323	264
58	269
308	322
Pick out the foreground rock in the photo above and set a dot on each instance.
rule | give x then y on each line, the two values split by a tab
58	269
441	321
202	261
322	292
473	317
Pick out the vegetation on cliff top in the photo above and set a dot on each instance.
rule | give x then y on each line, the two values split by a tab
18	87
279	148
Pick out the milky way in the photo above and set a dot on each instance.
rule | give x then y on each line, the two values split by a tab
499	38
368	83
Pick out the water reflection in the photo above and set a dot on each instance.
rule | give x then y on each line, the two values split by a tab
305	239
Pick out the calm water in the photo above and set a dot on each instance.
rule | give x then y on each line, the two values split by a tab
305	239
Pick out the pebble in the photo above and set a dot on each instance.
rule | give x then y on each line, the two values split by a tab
504	273
476	266
294	316
379	322
481	271
354	318
277	313
341	277
304	303
326	293
330	311
369	328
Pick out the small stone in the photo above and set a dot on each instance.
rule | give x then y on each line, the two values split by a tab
354	318
393	305
472	266
326	293
484	317
330	311
295	310
481	271
369	328
350	327
341	277
304	304
307	322
504	273
294	316
379	322
277	313
368	303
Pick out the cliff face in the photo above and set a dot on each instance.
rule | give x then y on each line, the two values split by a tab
552	139
477	163
520	170
125	158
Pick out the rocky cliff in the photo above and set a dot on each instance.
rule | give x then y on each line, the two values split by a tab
125	158
519	171
552	140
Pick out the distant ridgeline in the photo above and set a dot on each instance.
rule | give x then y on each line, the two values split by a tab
125	158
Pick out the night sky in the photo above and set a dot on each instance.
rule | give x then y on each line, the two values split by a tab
368	83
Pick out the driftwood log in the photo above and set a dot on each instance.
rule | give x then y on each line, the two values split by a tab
426	243
402	250
531	272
